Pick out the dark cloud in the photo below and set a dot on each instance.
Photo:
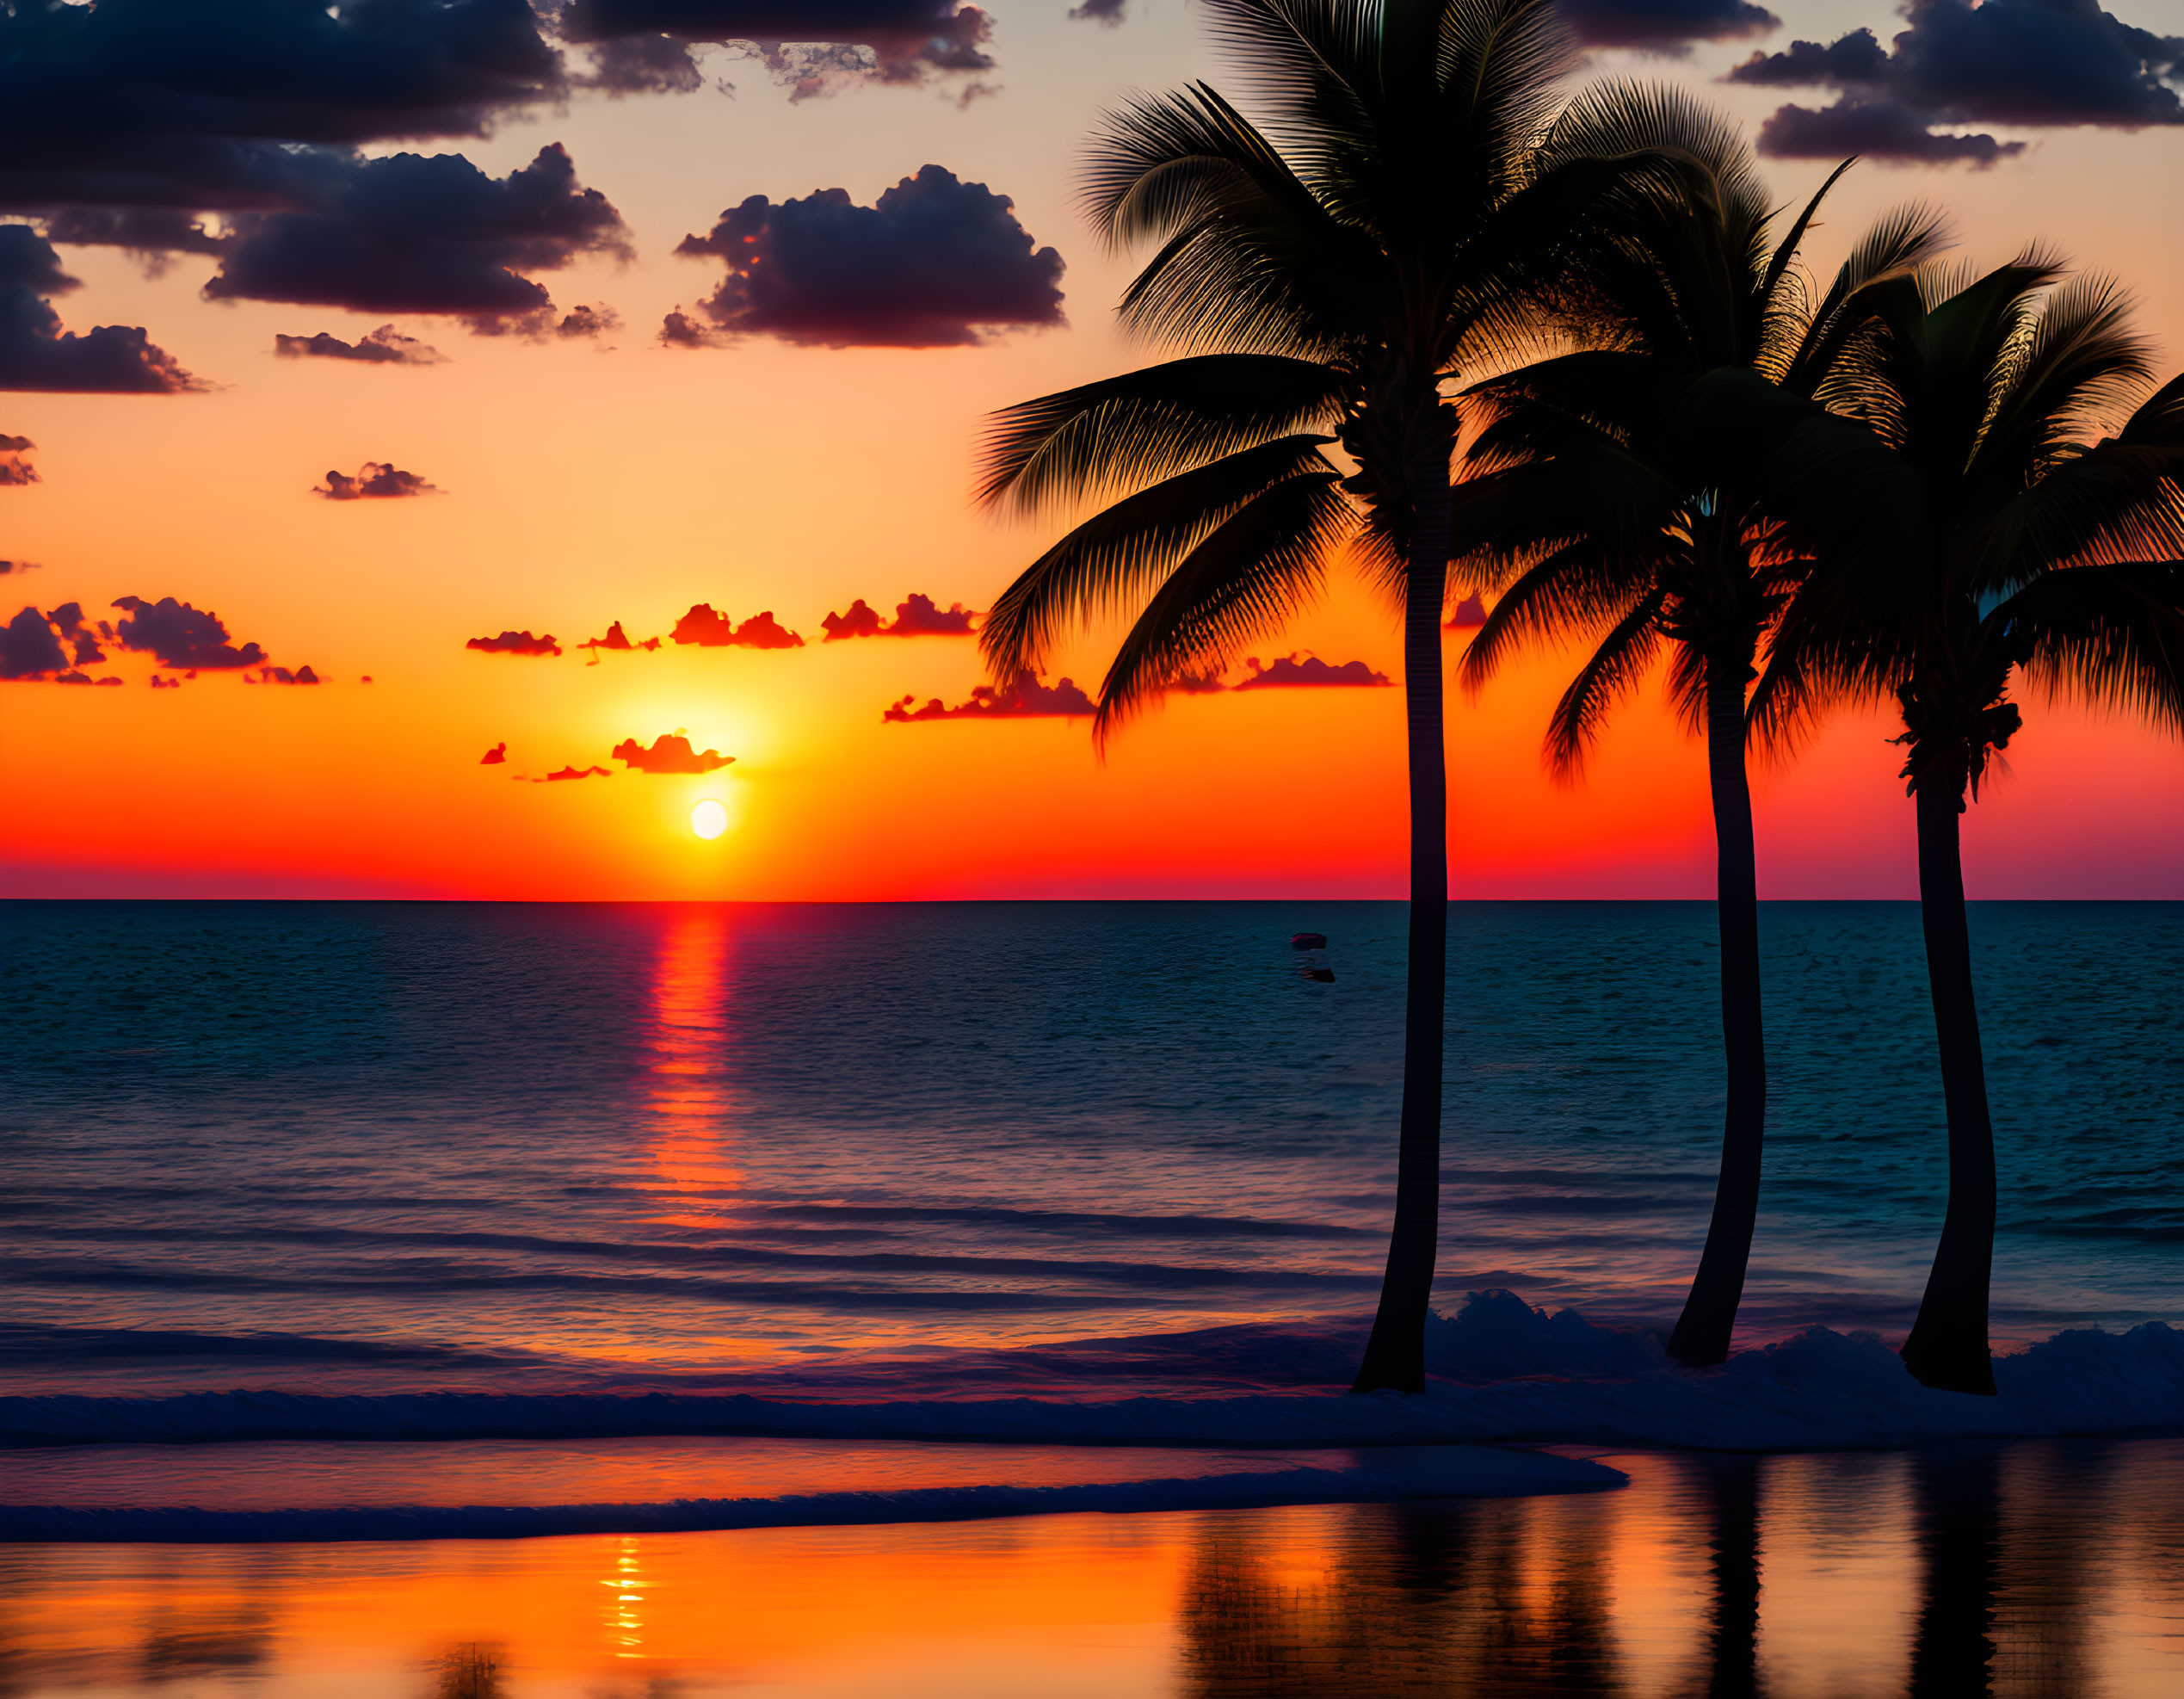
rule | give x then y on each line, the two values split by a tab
588	321
181	636
814	46
617	642
1307	669
671	753
14	469
8	566
160	682
283	676
709	630
151	235
29	647
917	616
201	103
385	346
494	756
1022	697
644	65
576	773
1878	129
36	354
412	233
81	640
74	677
2033	63
1663	25
374	481
1109	12
1470	614
935	262
516	643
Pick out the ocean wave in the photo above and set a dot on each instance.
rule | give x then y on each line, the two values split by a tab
1463	1471
1503	1373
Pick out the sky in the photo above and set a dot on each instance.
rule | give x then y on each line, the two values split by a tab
390	340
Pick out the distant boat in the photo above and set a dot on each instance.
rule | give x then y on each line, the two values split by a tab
1308	940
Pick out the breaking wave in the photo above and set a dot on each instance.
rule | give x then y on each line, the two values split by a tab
1503	1374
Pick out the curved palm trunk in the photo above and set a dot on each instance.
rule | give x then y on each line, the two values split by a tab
1702	1333
1948	1344
1395	1356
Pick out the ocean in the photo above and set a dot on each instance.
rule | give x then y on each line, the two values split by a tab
936	1149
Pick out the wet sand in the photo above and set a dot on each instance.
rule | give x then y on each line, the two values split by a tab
2050	1568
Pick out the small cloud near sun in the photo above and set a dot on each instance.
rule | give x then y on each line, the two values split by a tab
1022	697
917	616
1307	669
494	756
709	630
1470	614
671	753
374	481
282	675
514	643
617	642
575	773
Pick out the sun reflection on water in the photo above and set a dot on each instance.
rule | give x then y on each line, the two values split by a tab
692	1105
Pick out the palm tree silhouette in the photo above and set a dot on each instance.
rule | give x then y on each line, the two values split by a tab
2025	549
1671	482
1325	277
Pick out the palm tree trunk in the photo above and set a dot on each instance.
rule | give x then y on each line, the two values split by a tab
1948	1344
1702	1333
1395	1356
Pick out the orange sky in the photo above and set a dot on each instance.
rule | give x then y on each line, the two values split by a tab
584	485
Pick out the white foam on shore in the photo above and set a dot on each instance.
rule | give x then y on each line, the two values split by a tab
1454	1471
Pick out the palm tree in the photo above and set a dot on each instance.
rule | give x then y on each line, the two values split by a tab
2027	551
1671	480
1325	277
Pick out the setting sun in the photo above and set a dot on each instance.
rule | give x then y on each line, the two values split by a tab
709	818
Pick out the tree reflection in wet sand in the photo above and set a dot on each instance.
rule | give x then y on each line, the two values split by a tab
1986	1579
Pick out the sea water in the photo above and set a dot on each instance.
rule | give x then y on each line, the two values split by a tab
911	1150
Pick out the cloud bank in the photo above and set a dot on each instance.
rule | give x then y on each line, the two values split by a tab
2034	64
671	753
915	616
1023	697
514	643
709	630
1307	670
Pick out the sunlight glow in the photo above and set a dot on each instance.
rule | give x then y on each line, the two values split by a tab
709	818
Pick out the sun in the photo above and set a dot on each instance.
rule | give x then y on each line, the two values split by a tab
709	818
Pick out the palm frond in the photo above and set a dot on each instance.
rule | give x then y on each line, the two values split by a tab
2112	636
1125	432
1117	553
1613	668
1577	589
1246	579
